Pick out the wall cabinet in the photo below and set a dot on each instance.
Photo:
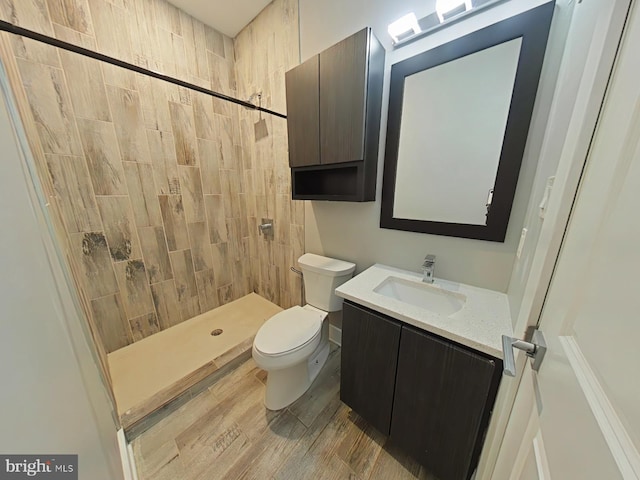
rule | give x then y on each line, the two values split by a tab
443	393
333	120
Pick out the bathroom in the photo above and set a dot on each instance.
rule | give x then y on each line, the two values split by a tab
168	187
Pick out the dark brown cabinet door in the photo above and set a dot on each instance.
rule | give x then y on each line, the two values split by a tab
441	407
343	90
303	103
368	366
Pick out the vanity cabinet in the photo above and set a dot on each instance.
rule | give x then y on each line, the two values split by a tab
368	369
443	393
334	101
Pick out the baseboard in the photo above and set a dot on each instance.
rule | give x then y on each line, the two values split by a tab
126	456
335	335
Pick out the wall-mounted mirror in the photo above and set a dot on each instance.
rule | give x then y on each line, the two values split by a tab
459	115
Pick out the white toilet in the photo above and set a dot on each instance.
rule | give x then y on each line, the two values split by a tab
293	345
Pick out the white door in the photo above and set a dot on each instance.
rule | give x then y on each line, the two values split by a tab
579	416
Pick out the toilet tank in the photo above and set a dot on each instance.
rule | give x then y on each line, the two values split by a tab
322	275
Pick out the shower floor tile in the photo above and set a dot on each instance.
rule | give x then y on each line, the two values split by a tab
148	374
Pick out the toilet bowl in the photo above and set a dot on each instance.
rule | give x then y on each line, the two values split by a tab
293	345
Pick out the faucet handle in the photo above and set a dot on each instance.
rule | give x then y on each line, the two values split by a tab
430	259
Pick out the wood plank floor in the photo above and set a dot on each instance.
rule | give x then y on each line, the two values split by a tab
226	433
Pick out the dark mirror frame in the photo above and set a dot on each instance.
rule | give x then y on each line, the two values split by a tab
533	27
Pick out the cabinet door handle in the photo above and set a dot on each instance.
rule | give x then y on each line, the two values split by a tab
535	349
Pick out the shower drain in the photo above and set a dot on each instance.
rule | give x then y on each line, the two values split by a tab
216	332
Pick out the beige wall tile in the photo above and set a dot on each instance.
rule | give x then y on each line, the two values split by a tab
210	166
128	120
184	134
215	41
28	49
111	320
110	25
186	286
144	325
31	14
119	228
134	286
142	192
174	222
155	254
52	111
221	264
165	301
154	97
71	13
200	247
191	187
74	193
96	270
203	113
207	290
225	294
216	218
165	164
103	157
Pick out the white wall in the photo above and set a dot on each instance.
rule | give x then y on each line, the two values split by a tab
351	231
52	400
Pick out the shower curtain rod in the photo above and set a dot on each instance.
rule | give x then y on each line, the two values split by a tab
38	37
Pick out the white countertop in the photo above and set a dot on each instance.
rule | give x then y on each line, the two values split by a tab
480	324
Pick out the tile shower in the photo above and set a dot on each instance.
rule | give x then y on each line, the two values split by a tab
157	190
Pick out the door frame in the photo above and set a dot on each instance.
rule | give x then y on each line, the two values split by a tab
580	133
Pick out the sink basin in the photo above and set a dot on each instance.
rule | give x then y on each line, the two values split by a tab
422	295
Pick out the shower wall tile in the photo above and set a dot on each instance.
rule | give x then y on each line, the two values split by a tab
110	25
128	120
51	107
142	192
210	166
155	254
88	94
191	187
94	260
221	264
27	49
134	287
216	218
207	290
174	222
119	227
159	190
31	14
165	301
165	164
200	248
71	13
144	325
103	157
184	133
188	302
111	319
72	185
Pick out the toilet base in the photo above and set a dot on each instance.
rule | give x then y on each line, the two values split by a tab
286	385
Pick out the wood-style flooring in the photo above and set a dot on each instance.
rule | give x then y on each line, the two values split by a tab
226	433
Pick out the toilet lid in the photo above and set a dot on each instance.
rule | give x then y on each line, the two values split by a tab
288	330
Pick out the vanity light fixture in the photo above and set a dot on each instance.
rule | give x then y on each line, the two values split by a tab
404	27
448	8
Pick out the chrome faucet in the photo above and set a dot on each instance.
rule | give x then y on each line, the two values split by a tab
428	267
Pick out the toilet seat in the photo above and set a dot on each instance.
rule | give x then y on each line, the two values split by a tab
288	331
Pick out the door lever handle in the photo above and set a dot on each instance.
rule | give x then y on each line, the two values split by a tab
535	349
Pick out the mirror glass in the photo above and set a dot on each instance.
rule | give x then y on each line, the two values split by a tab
450	142
458	122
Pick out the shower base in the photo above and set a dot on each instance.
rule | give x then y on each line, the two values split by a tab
154	376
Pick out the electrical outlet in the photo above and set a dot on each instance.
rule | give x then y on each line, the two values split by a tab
523	237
